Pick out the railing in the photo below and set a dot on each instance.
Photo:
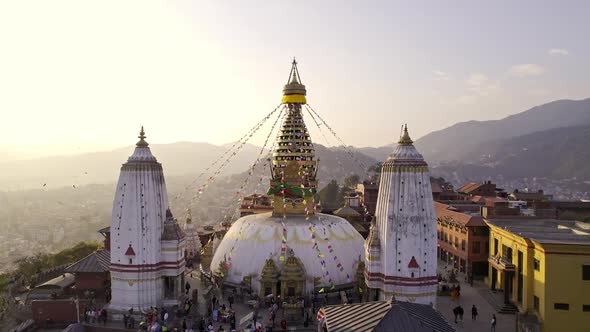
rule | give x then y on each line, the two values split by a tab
502	262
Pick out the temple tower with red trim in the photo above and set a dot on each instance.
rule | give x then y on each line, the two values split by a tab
147	244
401	249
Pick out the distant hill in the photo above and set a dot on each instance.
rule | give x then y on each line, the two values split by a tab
466	150
545	141
460	140
103	167
178	159
555	153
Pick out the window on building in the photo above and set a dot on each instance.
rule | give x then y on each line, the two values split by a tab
130	260
475	247
487	247
456	242
585	272
536	264
586	307
536	303
507	253
561	306
495	247
291	291
463	244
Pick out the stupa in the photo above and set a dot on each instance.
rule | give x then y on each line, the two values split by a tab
291	251
401	247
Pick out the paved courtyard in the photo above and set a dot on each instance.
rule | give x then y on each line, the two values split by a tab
472	296
241	309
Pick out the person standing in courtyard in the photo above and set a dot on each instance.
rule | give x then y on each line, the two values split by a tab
230	299
493	323
473	312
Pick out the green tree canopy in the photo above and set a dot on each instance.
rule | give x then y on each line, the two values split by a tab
329	195
352	181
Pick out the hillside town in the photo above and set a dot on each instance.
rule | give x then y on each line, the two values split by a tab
411	250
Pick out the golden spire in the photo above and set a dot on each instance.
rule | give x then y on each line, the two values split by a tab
189	218
294	92
405	139
142	142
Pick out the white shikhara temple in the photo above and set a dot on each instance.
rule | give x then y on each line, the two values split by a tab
193	244
291	251
147	244
401	247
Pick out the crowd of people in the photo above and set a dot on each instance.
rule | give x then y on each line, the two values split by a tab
93	315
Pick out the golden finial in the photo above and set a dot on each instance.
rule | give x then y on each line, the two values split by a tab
189	218
405	139
142	137
294	91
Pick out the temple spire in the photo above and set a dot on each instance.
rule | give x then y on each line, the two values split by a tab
294	92
405	139
189	218
294	74
142	142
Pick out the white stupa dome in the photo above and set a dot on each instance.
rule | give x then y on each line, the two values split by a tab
253	239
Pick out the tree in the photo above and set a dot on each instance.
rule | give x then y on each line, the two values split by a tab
329	194
351	181
376	169
28	266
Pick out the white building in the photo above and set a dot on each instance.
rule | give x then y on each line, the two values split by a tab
401	249
147	263
193	243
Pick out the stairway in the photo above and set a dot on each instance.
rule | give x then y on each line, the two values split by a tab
497	301
508	308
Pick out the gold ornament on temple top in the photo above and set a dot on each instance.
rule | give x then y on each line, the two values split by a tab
405	139
142	137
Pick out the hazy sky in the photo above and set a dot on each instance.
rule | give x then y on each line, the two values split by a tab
83	75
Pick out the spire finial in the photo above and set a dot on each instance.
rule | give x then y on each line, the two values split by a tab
142	137
294	74
189	217
405	139
294	90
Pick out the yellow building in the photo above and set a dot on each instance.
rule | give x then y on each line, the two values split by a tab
543	268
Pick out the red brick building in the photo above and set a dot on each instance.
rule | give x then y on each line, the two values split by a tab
368	195
462	240
486	189
255	204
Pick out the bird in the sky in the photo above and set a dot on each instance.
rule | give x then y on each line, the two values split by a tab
45	184
74	186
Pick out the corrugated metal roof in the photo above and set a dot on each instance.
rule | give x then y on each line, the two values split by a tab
355	317
346	211
98	261
413	317
382	316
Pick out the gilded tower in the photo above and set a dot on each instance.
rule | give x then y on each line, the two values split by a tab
293	179
291	251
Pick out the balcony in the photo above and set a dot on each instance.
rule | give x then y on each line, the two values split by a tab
502	263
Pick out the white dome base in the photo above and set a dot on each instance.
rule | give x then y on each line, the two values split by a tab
253	239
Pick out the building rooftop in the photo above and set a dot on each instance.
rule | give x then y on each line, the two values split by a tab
98	261
449	213
346	211
385	316
549	231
